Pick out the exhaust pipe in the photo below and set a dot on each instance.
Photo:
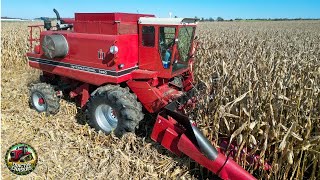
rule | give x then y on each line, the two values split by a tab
58	19
57	14
61	25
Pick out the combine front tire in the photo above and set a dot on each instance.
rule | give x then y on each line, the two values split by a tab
112	108
43	98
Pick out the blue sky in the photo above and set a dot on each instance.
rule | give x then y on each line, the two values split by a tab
228	9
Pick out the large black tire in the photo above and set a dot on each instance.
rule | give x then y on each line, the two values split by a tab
50	103
126	108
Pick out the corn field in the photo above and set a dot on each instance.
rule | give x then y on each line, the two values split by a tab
262	91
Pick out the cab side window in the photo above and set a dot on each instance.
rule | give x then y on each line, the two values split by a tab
148	36
166	42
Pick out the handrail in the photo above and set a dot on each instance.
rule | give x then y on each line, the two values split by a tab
31	39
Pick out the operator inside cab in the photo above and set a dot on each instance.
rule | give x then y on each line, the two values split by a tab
166	42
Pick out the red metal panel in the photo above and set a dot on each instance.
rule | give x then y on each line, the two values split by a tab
150	97
91	27
105	27
188	81
82	90
85	47
83	50
127	28
167	132
128	50
159	127
144	74
170	140
94	16
107	23
91	78
225	167
153	98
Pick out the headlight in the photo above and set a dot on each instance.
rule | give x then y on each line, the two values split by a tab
114	49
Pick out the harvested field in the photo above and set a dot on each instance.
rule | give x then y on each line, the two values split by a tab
263	90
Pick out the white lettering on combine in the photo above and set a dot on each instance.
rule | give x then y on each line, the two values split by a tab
103	71
82	68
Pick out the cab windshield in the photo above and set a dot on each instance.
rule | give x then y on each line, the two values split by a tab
184	45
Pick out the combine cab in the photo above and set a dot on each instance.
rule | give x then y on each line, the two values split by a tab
116	65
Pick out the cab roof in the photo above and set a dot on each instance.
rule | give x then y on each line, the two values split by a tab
168	21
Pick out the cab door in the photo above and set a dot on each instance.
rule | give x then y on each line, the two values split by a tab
149	54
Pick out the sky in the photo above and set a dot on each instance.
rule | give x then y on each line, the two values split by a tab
227	9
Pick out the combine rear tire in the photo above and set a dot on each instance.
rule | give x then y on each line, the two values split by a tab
43	98
112	108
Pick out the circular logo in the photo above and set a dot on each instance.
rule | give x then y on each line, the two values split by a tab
21	159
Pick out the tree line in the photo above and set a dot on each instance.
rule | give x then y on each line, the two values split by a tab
210	19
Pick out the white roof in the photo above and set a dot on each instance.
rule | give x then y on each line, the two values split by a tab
167	21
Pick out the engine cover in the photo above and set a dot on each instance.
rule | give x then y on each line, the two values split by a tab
54	46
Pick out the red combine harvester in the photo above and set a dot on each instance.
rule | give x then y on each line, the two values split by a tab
117	63
19	154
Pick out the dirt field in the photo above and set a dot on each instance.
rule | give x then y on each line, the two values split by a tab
264	80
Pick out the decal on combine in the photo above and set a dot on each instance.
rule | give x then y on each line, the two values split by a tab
82	68
101	54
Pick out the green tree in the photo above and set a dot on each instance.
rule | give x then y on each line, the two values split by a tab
220	19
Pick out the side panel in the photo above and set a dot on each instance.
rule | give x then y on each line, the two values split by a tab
85	49
106	27
128	50
86	74
89	59
92	50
